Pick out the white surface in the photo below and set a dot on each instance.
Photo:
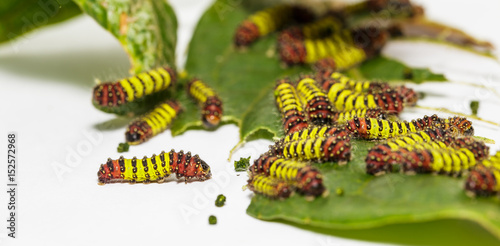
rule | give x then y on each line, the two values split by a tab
46	80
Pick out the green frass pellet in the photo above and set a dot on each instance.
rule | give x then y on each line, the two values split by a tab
474	106
122	147
212	220
221	199
242	165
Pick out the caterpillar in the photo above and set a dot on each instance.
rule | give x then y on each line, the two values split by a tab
307	179
154	169
382	157
316	103
153	123
288	104
443	161
315	132
327	78
484	179
211	105
267	21
320	28
270	187
345	99
382	129
309	51
113	94
332	148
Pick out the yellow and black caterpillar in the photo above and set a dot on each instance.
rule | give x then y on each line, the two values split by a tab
269	20
270	187
307	179
316	104
154	169
113	94
211	105
153	123
290	107
321	149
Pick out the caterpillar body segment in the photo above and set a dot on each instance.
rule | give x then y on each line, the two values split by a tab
316	104
270	187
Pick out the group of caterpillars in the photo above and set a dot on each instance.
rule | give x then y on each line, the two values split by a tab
321	113
109	95
325	41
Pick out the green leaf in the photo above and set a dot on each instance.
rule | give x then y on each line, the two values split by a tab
369	201
19	17
245	81
147	29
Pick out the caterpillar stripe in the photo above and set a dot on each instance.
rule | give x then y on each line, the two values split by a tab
332	148
153	123
484	179
316	104
113	94
211	105
307	179
345	99
154	169
321	28
267	21
382	129
270	187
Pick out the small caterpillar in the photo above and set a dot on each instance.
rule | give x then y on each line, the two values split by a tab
345	99
113	94
309	51
381	129
315	132
154	169
320	28
307	179
153	123
382	157
484	179
211	105
316	103
443	161
270	187
332	148
327	79
267	21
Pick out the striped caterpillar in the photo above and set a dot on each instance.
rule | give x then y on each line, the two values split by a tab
211	105
288	104
270	187
153	123
484	179
327	79
307	179
315	132
346	47
113	94
451	150
382	129
154	169
267	21
321	149
316	103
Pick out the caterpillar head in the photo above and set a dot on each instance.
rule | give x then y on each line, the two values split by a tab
104	175
203	170
212	112
480	182
138	132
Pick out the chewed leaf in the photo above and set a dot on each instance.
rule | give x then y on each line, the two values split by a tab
146	29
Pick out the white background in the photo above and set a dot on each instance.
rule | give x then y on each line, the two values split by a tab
46	80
